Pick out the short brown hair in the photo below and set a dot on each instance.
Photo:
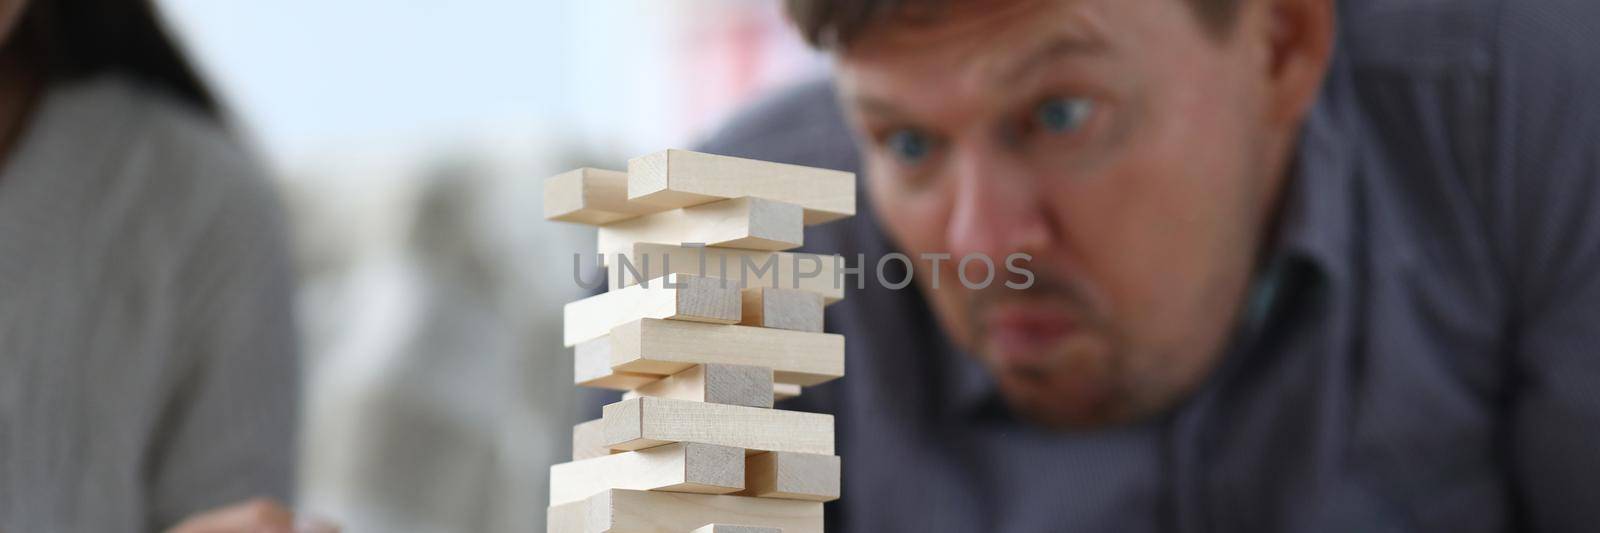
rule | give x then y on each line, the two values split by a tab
834	24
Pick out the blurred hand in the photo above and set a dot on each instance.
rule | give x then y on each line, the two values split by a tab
260	515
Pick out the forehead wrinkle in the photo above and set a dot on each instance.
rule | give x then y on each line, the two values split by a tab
991	49
873	105
974	53
1080	31
951	20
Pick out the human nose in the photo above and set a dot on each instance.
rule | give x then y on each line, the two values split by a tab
998	209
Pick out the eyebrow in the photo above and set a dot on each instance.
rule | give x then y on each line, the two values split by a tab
872	105
1053	50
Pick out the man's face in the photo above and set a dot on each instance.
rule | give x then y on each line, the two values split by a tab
1121	145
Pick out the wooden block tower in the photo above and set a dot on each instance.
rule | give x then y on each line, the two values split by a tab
706	322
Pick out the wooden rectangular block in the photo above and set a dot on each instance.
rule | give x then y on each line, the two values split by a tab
794	476
636	511
750	386
592	196
730	528
591	367
753	268
784	391
745	223
780	392
674	296
790	309
645	422
568	518
678	467
679	178
666	347
589	440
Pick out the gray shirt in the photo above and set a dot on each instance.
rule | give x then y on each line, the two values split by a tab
1423	345
147	350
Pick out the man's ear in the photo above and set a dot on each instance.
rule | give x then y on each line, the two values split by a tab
1300	35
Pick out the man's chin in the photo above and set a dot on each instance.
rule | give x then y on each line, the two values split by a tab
1070	383
1062	407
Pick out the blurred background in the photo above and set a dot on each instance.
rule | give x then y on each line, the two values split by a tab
410	140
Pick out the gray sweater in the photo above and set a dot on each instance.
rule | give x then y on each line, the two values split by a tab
147	346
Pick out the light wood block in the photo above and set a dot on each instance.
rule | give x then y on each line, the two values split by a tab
679	178
784	391
729	528
790	309
568	518
666	347
780	392
592	196
645	422
794	476
745	223
750	386
637	511
589	440
678	467
674	296
754	268
591	367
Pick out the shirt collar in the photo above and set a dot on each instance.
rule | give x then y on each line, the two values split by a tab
1318	213
1316	225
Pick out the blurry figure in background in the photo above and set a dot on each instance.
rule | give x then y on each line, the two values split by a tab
408	397
433	399
148	372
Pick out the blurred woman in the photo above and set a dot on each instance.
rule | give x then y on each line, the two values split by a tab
148	372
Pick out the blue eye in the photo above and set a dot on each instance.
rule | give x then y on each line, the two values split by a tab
909	146
1063	115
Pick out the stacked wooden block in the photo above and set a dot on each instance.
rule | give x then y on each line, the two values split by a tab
706	323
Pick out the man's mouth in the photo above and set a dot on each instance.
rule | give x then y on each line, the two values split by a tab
1027	334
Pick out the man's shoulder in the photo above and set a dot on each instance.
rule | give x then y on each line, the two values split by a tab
800	124
1412	37
1471	126
1434	37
